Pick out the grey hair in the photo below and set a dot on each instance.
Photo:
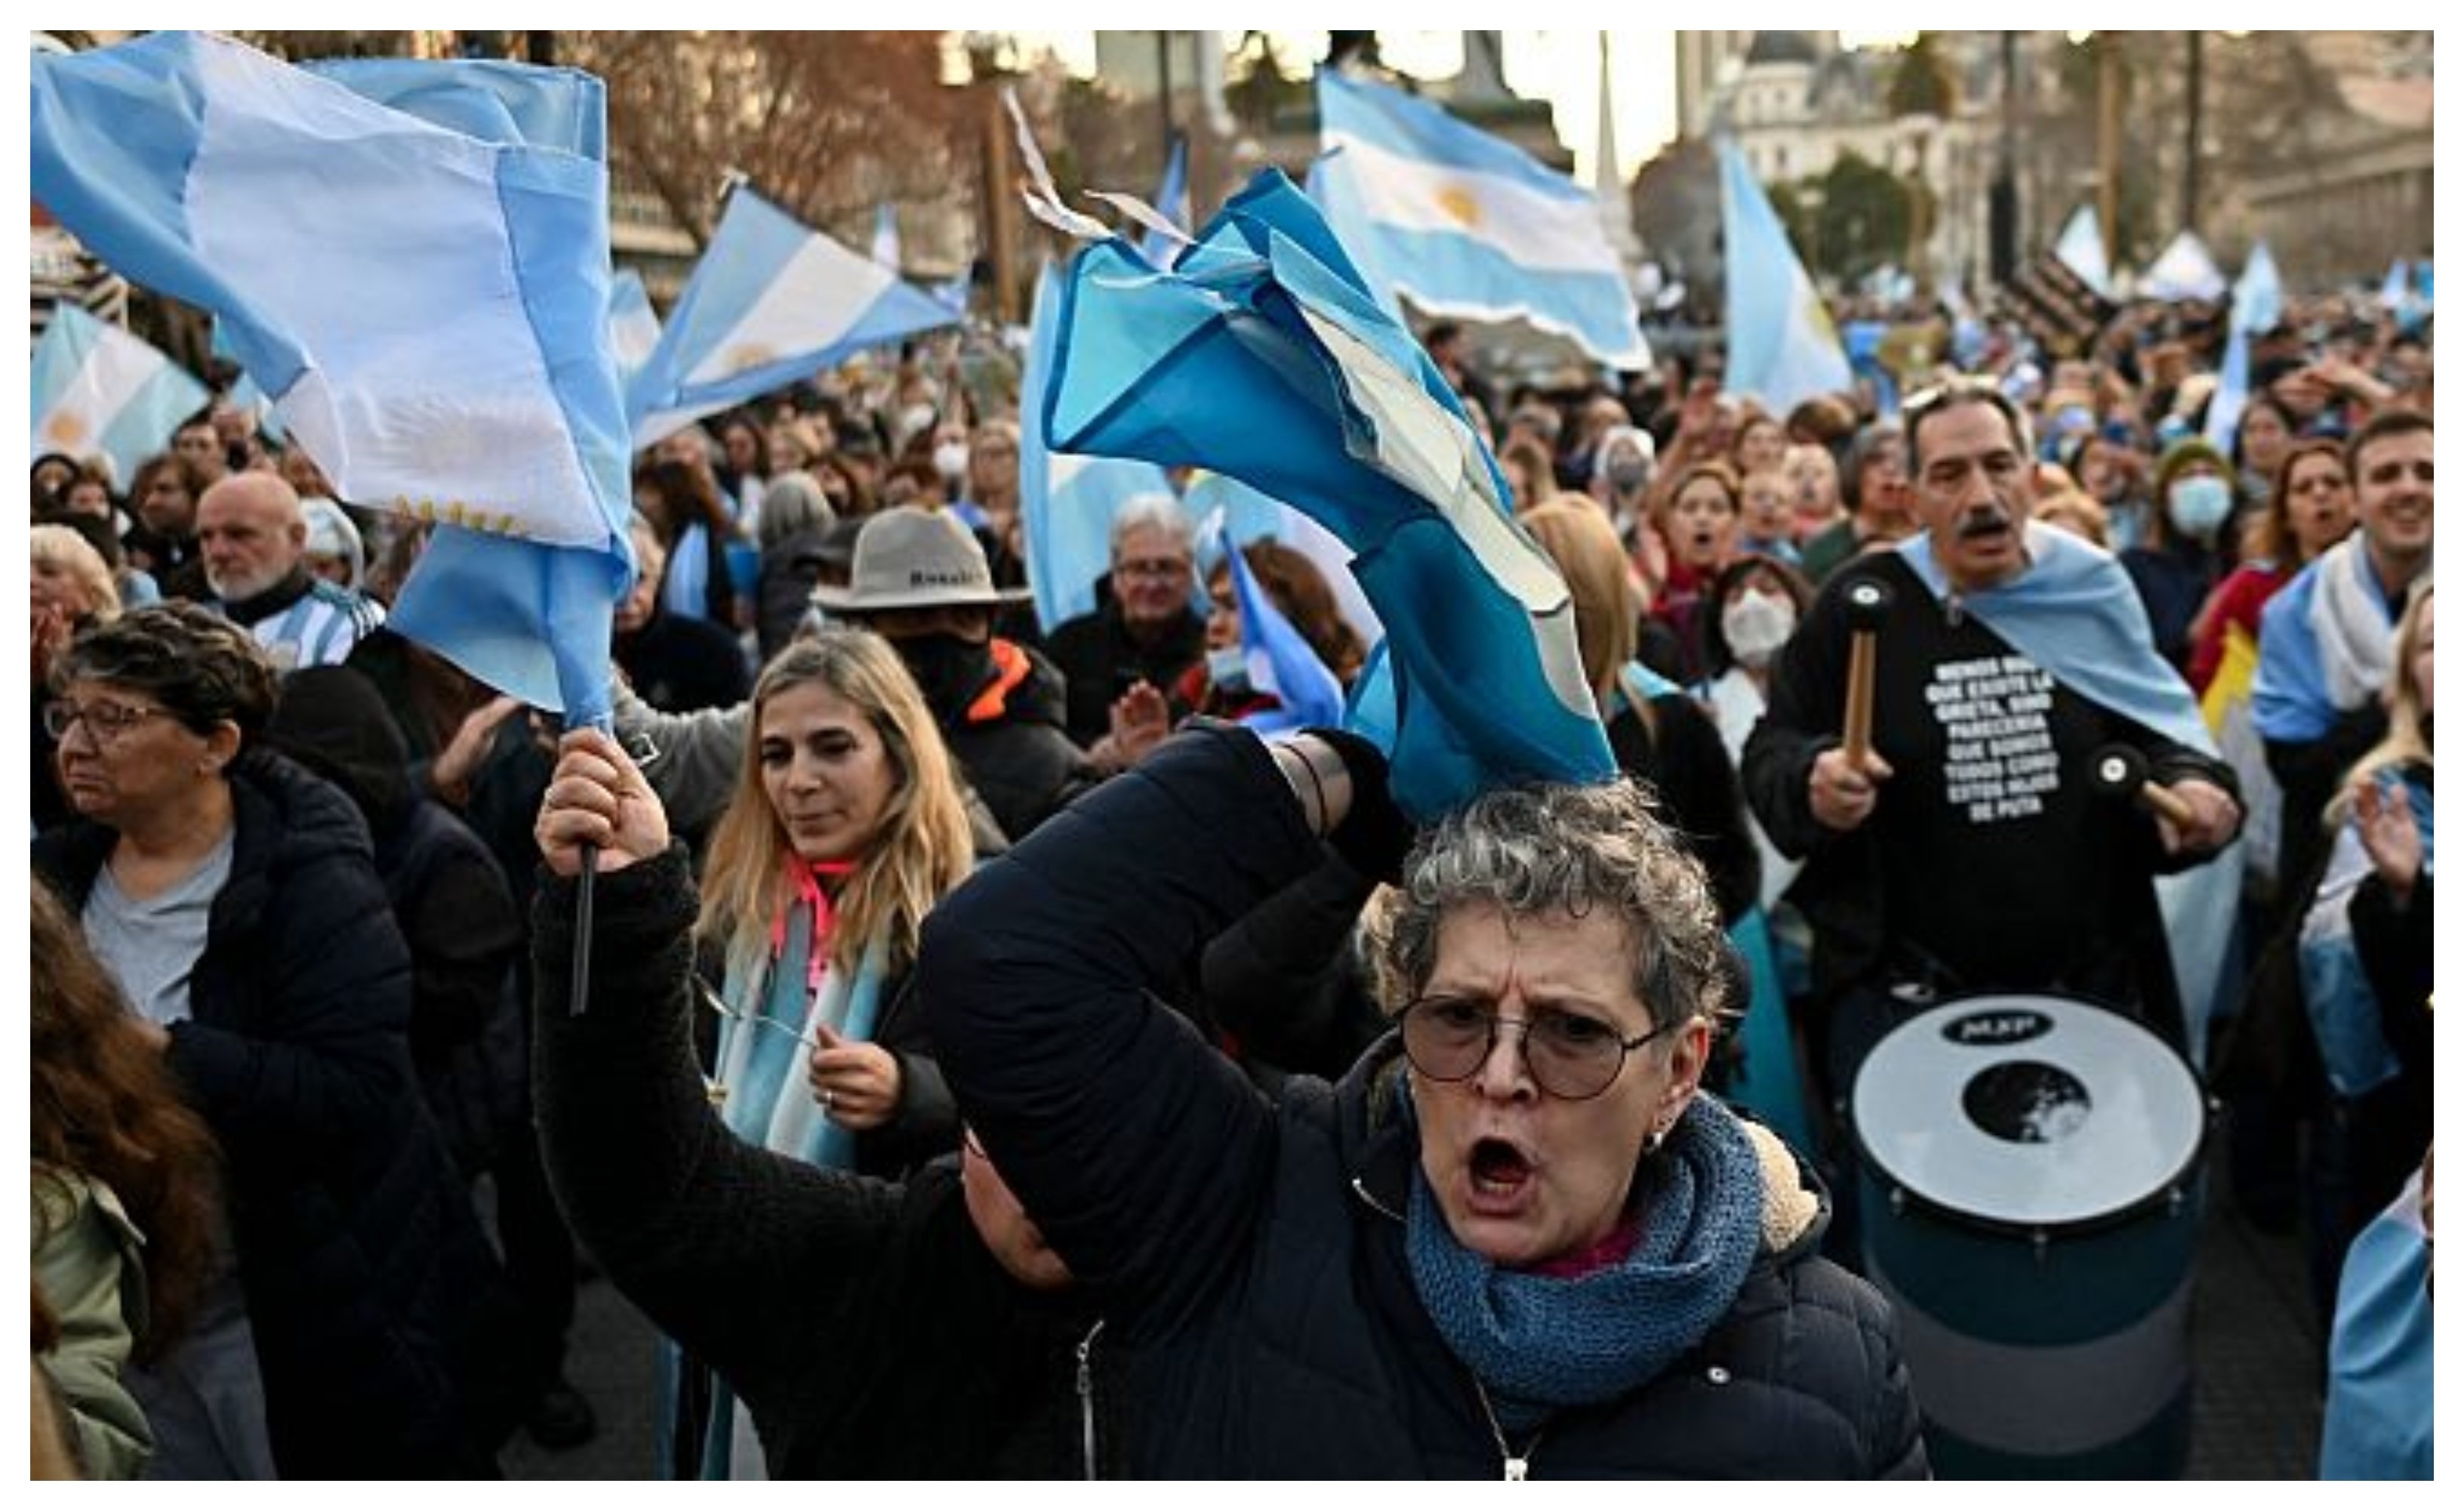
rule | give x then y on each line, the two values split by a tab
1560	849
1160	509
792	501
1951	393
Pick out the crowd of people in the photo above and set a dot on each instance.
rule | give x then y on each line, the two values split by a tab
996	1059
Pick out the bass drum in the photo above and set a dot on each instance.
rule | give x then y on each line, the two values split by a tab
2032	1199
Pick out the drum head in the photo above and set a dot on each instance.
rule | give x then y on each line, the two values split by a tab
2028	1111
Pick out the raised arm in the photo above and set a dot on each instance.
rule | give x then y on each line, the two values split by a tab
1142	1153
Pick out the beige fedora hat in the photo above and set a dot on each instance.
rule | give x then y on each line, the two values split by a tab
911	558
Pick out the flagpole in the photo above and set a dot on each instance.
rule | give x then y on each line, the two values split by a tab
585	898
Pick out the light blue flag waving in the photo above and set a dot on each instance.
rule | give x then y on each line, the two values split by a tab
2258	295
100	391
885	248
245	395
1067	502
772	300
2232	391
1280	662
1172	202
564	110
632	326
1250	515
1466	224
1262	355
1782	347
434	334
2082	247
2258	303
2397	290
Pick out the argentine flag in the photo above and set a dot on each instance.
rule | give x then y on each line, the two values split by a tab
770	301
632	326
2082	247
1067	502
885	248
1250	515
2183	270
1172	202
1782	347
1467	225
434	333
1280	662
1264	355
2258	303
100	392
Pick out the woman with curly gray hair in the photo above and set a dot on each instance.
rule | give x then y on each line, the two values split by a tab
234	898
1514	1238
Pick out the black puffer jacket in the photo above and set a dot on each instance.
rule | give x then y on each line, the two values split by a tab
1250	1254
863	1323
1010	744
370	1289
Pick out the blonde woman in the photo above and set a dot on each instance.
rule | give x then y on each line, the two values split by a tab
848	825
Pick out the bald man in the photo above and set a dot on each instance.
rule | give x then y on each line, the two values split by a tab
253	539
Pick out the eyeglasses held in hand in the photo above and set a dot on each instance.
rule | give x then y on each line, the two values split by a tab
718	1004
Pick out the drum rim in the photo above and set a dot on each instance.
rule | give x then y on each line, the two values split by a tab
2182	1179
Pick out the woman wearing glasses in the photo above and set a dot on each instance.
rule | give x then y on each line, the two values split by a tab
232	898
1513	1240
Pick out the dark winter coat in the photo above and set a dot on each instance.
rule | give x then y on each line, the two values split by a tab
1100	662
862	1322
371	1291
1252	1254
1010	744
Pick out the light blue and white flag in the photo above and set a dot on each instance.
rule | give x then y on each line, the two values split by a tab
2258	303
1467	225
563	109
2082	248
100	391
1067	502
2232	391
1250	515
1172	202
2397	290
1782	345
885	248
2185	270
632	326
772	300
1280	662
245	395
1264	355
434	334
2258	295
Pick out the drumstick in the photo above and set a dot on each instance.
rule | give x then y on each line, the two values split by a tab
1869	604
2121	771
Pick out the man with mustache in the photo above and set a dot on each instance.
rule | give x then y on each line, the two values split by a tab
1968	853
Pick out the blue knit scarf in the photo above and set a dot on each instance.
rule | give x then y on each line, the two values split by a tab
1538	1342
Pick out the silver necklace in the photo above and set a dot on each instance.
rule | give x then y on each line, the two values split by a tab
1517	1466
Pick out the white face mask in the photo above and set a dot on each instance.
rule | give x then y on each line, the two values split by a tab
1756	626
950	459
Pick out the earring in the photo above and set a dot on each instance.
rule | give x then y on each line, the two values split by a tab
1652	1141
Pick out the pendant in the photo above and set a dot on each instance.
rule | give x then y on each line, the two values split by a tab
1518	1468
